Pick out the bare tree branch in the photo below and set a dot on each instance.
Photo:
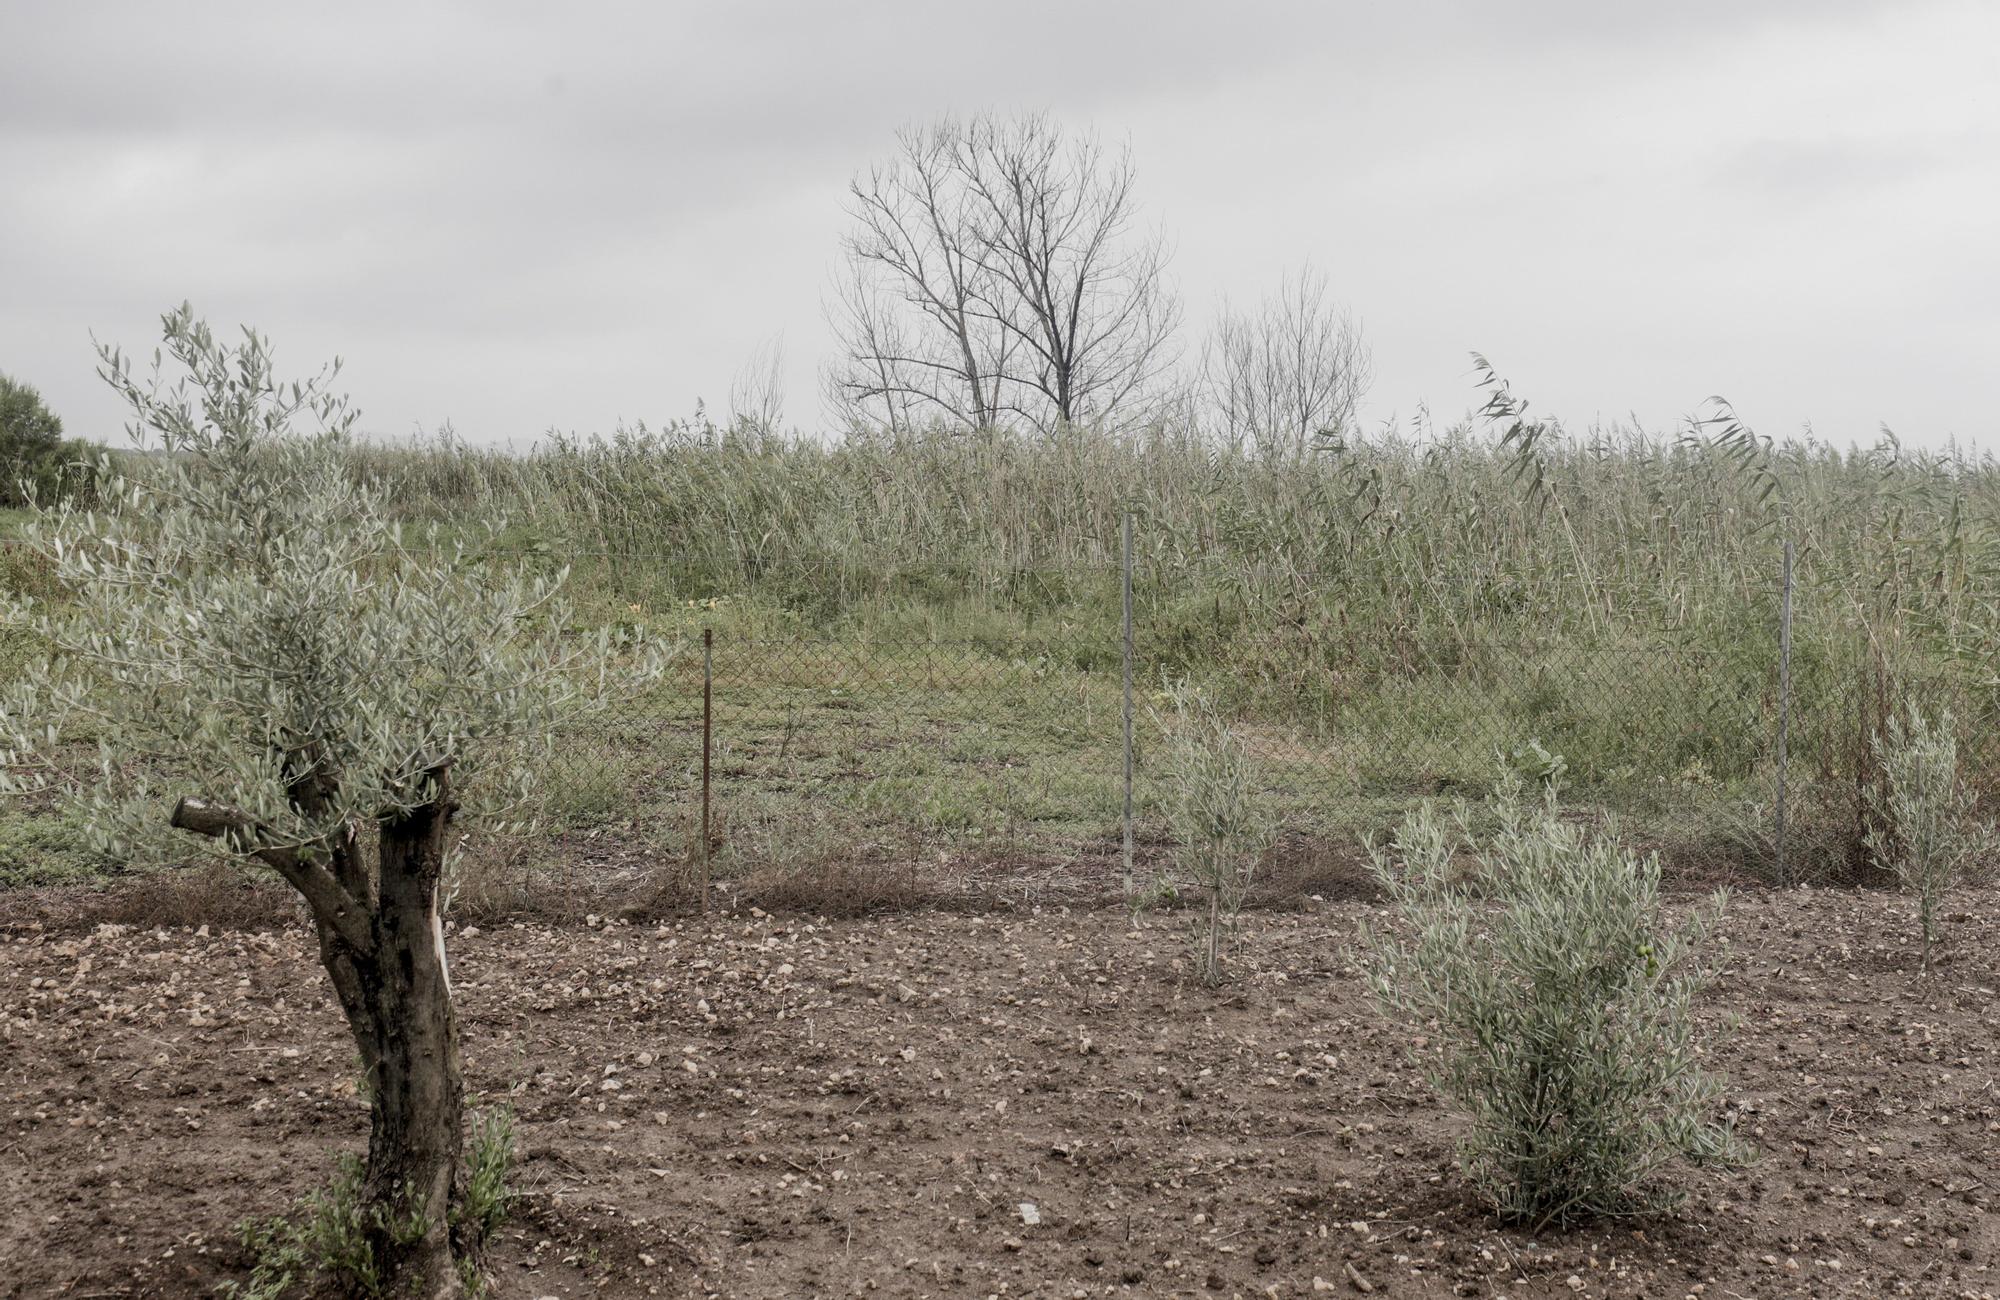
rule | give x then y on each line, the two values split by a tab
329	900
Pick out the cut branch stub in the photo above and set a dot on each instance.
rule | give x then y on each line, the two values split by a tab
328	898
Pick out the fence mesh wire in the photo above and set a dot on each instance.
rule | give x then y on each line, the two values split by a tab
1009	747
1016	753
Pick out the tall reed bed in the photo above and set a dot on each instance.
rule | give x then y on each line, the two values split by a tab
1426	532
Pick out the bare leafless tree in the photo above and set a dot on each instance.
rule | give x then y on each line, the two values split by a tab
1294	368
996	274
757	397
869	384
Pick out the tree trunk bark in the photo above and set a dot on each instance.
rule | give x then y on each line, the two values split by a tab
411	1186
1213	973
388	971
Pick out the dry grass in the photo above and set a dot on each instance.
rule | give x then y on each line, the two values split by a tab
215	895
839	889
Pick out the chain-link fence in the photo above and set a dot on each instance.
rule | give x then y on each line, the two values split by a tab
948	750
1001	740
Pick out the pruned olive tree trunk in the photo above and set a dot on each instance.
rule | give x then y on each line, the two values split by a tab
406	1009
386	961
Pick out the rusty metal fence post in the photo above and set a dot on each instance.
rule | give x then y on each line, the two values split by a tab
707	735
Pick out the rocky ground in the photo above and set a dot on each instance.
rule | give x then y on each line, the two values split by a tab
1021	1103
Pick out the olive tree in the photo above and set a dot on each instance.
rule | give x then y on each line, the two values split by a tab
271	673
1222	825
1548	994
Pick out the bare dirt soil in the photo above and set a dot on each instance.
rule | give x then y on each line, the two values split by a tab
760	1105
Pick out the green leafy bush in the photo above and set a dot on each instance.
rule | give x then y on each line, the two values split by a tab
1926	829
1553	1002
35	461
1535	764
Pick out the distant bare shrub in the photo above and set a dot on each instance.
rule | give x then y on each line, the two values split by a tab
1554	1003
1286	373
216	894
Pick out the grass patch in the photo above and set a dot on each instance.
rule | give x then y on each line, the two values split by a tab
323	1241
48	848
323	1245
586	786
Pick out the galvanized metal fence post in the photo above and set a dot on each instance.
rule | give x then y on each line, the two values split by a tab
1784	707
707	735
1127	586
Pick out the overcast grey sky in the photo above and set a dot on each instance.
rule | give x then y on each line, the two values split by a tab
523	216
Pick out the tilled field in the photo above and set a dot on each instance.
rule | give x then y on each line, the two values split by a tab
1015	1103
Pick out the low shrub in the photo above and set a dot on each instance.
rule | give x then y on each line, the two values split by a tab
837	888
325	1239
491	1161
1553	1002
1221	824
1925	827
49	848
